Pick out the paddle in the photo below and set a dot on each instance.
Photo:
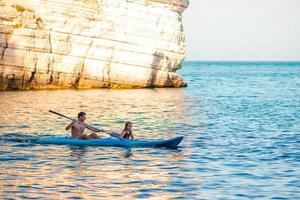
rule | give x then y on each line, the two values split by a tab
88	126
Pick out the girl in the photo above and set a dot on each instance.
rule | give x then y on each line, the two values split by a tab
127	132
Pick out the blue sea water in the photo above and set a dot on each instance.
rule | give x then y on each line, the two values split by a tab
240	120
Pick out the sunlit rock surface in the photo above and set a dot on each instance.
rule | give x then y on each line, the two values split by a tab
91	43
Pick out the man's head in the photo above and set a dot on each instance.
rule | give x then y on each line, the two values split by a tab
81	116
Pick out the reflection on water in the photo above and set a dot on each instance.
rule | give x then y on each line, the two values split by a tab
89	173
240	123
153	112
128	153
77	151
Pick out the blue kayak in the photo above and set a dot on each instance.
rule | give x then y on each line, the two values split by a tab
112	142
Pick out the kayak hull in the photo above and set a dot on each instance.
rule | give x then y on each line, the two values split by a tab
113	142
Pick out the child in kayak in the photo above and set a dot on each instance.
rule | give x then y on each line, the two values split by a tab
127	132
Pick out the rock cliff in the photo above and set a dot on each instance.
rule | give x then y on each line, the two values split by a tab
91	43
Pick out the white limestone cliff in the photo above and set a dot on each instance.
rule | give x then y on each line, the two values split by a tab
91	43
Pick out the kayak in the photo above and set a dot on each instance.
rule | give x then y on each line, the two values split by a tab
113	142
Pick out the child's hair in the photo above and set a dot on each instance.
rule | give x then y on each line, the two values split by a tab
126	126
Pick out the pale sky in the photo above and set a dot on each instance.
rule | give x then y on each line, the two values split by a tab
242	30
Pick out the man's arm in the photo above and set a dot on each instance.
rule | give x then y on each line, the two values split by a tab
70	125
93	129
122	135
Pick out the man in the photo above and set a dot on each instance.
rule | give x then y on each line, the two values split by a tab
78	127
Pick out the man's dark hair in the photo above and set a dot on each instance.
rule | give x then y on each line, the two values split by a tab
81	114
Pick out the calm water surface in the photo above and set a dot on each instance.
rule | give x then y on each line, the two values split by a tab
241	123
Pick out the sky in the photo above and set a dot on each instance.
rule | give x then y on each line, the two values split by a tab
238	30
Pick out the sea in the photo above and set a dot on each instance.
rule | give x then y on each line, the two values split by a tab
240	122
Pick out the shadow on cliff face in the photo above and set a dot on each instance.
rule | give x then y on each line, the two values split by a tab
14	74
156	66
11	75
6	80
153	74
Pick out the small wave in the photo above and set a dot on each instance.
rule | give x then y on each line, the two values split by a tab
25	144
14	126
13	159
23	126
21	137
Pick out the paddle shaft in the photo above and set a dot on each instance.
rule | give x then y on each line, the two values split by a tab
88	126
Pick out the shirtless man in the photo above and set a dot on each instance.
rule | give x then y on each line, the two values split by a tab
77	128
